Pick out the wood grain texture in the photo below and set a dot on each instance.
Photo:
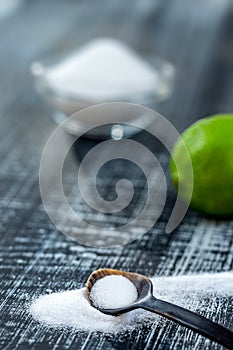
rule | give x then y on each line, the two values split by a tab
35	258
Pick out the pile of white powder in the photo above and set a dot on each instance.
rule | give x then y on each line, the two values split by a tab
72	309
102	70
112	292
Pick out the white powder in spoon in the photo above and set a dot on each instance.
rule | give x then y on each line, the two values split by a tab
71	308
112	292
102	70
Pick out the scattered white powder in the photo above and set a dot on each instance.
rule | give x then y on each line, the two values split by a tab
71	309
112	292
102	70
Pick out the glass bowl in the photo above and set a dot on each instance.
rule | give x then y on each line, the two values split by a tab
64	104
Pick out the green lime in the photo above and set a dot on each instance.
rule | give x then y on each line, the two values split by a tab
209	142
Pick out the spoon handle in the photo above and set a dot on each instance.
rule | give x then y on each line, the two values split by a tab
191	320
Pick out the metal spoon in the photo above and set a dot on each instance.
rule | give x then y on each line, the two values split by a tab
147	301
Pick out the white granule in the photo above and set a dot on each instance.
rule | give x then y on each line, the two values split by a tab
71	309
102	70
112	292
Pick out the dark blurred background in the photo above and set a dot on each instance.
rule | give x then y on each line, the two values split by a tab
195	36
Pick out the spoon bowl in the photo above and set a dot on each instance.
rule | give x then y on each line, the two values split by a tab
143	285
147	301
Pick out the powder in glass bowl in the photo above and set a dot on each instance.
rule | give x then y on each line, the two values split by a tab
112	292
101	70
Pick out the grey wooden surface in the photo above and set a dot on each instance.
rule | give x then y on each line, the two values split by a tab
35	258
